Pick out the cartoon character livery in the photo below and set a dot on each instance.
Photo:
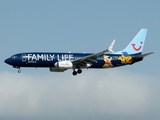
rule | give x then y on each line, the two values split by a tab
107	61
125	58
59	62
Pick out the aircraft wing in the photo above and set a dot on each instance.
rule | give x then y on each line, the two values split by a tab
92	58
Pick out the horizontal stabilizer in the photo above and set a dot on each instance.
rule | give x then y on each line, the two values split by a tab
143	55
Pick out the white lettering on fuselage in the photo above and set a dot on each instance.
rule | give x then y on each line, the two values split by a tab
47	57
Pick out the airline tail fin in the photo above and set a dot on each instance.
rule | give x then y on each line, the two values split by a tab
137	44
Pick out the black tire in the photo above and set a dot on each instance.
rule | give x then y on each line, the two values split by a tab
79	71
74	73
19	71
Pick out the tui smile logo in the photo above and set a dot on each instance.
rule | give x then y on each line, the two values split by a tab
135	48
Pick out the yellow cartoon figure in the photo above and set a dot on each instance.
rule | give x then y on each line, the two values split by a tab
125	59
107	61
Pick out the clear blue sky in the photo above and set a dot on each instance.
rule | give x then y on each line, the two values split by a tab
79	26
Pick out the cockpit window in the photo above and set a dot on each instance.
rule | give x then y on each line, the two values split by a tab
14	57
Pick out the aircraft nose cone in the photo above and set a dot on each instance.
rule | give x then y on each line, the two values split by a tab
7	61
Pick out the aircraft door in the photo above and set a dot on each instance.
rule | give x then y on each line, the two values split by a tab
24	57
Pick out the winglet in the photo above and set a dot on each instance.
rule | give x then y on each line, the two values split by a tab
111	46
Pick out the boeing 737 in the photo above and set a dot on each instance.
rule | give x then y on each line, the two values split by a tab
59	62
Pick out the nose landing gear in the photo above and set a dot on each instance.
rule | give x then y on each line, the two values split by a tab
19	71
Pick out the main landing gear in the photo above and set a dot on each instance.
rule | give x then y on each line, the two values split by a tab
79	71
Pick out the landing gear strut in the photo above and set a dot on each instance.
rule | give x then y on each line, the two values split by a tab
19	70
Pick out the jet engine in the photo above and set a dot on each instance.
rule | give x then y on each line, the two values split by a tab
88	65
63	64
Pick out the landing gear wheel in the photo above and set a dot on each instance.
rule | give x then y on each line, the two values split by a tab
19	71
74	73
79	71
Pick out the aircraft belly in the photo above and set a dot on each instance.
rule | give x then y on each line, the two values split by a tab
37	64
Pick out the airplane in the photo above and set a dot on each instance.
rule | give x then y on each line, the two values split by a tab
60	62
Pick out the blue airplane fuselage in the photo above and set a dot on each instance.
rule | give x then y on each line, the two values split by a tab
41	59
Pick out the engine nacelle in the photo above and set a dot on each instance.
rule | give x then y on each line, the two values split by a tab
88	65
63	64
53	69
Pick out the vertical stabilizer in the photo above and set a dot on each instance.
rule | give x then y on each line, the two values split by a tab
137	44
